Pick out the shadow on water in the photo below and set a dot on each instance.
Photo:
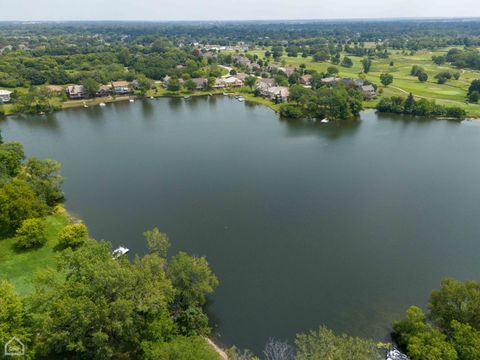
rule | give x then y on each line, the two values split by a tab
175	103
42	122
409	119
148	110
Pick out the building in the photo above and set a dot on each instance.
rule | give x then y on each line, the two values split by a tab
104	90
368	92
278	93
306	80
120	87
232	81
200	83
330	80
5	96
56	90
264	84
75	92
241	76
219	83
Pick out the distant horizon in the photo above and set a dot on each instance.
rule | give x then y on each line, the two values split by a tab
359	19
232	10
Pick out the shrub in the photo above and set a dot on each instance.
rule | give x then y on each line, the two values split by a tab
32	233
72	235
422	77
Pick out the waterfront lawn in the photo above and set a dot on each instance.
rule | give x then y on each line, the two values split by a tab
19	267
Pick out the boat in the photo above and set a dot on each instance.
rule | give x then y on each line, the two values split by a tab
151	97
131	100
102	104
225	94
186	97
324	120
120	251
241	98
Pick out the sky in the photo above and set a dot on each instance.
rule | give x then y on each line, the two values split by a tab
165	10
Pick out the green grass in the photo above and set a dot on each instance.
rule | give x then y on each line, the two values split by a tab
453	93
19	267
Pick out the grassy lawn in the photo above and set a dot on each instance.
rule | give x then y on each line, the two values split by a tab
452	93
18	267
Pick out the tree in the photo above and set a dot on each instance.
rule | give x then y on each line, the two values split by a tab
157	242
144	84
367	64
386	79
32	233
277	350
323	344
11	157
173	84
18	203
102	307
409	106
416	70
13	319
422	77
466	341
90	86
332	70
192	278
73	235
190	85
321	55
473	90
45	179
250	81
347	62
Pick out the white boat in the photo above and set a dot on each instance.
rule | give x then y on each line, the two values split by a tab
324	120
225	94
186	97
131	100
151	97
102	104
120	251
241	98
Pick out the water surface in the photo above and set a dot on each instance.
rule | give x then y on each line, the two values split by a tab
304	224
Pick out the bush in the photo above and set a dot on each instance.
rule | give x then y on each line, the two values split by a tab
32	233
73	235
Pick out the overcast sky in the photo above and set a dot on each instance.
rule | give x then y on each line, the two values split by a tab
232	9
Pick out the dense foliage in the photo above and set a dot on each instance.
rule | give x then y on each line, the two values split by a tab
421	107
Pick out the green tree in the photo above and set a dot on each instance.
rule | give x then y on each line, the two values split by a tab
45	179
18	203
191	278
13	317
11	157
367	64
410	105
73	235
347	62
386	79
158	242
144	84
190	85
332	70
466	341
173	84
32	233
324	344
250	81
422	77
90	86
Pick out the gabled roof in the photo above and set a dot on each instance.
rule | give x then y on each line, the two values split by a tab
119	83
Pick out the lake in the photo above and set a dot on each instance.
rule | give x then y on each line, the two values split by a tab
304	224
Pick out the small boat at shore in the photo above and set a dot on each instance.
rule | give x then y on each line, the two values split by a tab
131	100
102	104
324	120
151	98
119	252
186	97
241	98
225	94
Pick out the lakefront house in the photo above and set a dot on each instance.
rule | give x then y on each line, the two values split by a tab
5	96
75	92
120	87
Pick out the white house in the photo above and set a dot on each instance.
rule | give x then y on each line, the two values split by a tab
14	347
5	96
120	87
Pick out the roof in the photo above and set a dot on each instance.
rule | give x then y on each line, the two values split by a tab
55	87
5	92
119	83
75	89
394	354
199	81
368	88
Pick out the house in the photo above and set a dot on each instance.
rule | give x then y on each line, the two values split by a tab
368	92
264	84
104	90
200	83
280	93
219	83
57	90
5	96
14	347
306	80
241	76
75	92
394	354
120	87
232	81
330	80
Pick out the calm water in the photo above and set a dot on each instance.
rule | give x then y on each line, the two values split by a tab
304	224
